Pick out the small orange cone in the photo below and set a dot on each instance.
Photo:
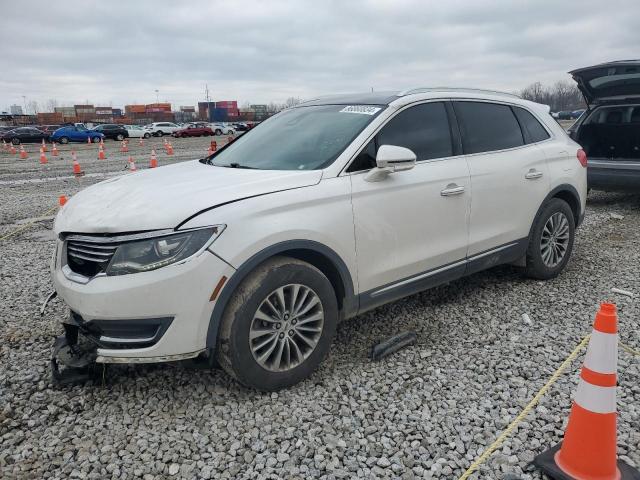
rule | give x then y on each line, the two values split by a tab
154	160
169	148
102	143
43	157
44	146
229	139
12	150
23	153
101	155
62	200
123	147
89	141
141	142
54	151
588	451
132	165
77	171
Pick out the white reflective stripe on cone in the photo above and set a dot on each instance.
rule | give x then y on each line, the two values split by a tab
602	354
596	399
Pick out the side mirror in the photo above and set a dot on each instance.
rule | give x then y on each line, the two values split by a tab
391	159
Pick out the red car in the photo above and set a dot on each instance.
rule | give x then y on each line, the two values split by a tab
194	130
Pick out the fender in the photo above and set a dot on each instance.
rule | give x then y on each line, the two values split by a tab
567	188
350	304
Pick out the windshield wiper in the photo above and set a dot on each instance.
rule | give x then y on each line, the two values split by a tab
237	165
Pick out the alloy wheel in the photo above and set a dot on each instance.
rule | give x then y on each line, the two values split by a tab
286	328
555	239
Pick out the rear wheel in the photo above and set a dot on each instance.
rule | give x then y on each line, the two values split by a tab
551	240
96	139
15	141
278	326
119	137
147	135
218	132
63	140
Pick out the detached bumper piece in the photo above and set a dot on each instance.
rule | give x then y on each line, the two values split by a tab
76	350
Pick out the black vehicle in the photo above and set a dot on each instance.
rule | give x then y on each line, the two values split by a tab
609	130
240	127
111	130
48	128
25	135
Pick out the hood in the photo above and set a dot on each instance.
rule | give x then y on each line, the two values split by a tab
164	197
609	82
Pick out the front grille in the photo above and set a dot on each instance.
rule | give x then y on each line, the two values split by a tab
89	257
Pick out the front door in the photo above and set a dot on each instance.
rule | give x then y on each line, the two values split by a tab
411	227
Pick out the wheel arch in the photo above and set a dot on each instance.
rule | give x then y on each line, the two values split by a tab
320	256
569	194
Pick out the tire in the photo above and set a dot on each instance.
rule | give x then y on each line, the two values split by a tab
218	132
63	140
238	354
119	137
95	140
147	135
15	141
555	217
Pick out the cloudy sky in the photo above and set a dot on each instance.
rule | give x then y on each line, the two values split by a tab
117	52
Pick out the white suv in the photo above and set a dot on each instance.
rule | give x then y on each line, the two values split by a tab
253	255
159	129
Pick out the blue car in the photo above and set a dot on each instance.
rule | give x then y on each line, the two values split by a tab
72	133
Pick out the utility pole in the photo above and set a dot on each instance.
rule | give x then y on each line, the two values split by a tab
24	100
157	97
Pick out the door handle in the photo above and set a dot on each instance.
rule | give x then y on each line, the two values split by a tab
532	174
452	189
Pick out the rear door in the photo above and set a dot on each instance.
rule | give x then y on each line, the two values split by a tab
609	81
509	178
411	227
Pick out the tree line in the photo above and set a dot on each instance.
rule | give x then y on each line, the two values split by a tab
562	95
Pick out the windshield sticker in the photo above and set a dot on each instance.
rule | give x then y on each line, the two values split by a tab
361	109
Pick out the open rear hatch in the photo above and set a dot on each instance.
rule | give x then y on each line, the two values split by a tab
612	82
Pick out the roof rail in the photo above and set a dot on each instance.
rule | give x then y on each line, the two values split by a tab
411	91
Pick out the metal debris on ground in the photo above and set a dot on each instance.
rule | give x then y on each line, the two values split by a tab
616	216
619	291
392	345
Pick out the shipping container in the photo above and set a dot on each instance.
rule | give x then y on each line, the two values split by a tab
135	108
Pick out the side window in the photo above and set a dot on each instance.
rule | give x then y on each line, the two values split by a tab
424	129
534	132
486	127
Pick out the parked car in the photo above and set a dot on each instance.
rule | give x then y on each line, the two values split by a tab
250	253
240	127
113	131
72	133
609	130
48	129
194	130
222	129
25	135
577	113
159	129
136	131
4	129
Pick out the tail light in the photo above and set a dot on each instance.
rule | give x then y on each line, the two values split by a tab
582	157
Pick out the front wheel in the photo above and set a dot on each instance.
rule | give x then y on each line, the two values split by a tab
551	240
218	132
147	135
96	139
278	326
119	137
15	141
63	140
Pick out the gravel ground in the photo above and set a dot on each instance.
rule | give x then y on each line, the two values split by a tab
425	412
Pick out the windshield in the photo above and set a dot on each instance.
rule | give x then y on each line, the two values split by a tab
302	138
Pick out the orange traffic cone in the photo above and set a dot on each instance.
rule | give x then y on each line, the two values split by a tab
154	160
102	143
62	200
23	152
229	139
89	141
77	171
132	165
44	145
141	142
101	155
123	147
12	150
54	151
43	156
588	451
169	148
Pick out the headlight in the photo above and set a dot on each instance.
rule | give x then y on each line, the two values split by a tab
149	254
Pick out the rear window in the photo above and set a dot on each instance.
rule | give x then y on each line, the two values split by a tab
487	127
614	115
532	129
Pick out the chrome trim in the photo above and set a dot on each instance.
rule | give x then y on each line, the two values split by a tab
76	277
613	165
165	358
121	238
104	338
419	277
492	251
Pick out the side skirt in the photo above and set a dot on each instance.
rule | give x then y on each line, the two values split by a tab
504	254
